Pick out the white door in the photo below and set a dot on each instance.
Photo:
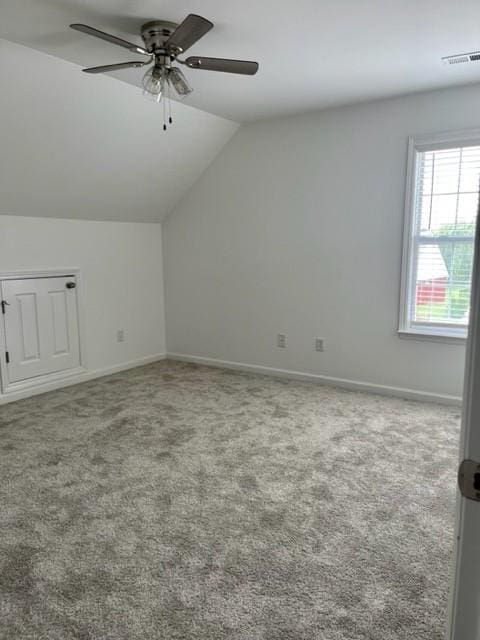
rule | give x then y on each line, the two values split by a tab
465	610
41	326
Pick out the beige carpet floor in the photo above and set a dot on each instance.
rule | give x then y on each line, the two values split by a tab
177	502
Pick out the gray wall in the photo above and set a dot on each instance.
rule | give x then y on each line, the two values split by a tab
297	227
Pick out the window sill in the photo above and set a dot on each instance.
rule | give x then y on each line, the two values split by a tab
449	338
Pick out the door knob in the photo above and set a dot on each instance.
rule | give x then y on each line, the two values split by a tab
70	285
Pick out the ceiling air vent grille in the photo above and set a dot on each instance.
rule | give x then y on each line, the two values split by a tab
460	58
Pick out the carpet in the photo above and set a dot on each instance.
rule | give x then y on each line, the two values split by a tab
176	501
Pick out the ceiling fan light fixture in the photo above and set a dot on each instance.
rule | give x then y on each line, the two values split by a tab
179	82
164	41
154	84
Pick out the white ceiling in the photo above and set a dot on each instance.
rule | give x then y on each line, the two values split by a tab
70	151
312	53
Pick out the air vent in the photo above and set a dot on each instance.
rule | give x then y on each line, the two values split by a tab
460	58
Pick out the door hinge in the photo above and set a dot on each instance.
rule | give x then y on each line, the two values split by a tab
4	304
7	357
469	479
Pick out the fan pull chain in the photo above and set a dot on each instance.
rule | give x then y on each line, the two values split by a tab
169	106
164	117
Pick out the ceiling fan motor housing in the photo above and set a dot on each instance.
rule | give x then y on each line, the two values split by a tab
156	33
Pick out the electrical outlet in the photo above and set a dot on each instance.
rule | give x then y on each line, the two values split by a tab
281	340
319	344
120	335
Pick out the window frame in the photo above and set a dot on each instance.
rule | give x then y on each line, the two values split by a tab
416	145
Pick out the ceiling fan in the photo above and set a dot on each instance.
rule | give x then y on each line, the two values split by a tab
163	43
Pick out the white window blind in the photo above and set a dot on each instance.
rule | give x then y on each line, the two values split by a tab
441	238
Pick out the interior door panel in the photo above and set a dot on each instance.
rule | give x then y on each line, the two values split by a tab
41	326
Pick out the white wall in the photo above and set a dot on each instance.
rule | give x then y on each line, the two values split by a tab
93	148
74	145
121	279
297	227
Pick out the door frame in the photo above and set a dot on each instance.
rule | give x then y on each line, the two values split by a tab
7	387
470	416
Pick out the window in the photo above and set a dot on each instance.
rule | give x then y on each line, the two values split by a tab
441	213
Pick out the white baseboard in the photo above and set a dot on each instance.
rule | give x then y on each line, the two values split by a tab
12	396
353	385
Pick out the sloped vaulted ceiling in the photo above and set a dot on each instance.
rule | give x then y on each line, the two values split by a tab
72	148
312	53
92	147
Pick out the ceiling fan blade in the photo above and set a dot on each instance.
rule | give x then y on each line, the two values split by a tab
188	32
115	67
84	28
222	64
